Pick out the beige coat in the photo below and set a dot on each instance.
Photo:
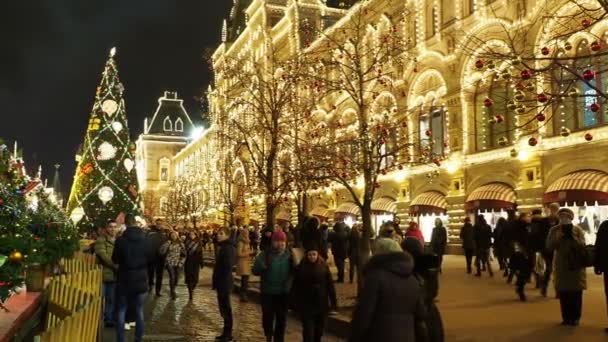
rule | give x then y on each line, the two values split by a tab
243	258
565	278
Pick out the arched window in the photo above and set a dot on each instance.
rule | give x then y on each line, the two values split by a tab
164	165
179	125
488	134
167	125
432	128
574	112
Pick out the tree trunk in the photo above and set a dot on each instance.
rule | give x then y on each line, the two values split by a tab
364	243
302	208
270	214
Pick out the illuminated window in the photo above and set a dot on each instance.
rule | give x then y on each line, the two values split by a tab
164	165
489	134
432	129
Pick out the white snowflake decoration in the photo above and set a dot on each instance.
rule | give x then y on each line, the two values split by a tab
109	107
105	194
106	151
129	164
117	126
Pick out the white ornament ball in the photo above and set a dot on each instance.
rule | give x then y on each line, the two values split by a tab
129	164
109	107
77	214
106	151
117	126
105	194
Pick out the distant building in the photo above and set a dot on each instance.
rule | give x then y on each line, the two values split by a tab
165	134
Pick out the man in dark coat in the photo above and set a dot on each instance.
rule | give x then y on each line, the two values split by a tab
439	240
522	260
601	256
353	251
222	280
266	241
339	247
467	236
310	234
391	305
132	255
156	238
483	242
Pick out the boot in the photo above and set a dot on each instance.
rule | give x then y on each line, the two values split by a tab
244	288
190	294
522	295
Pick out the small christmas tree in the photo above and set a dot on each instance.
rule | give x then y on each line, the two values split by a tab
105	183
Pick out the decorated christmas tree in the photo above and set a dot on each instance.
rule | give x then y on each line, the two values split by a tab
105	183
33	229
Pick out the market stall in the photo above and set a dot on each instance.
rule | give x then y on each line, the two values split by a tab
426	208
586	193
492	201
383	210
348	211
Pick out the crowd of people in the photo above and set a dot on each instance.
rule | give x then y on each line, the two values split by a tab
532	248
397	273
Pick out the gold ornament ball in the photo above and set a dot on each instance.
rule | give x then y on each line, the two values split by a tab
15	257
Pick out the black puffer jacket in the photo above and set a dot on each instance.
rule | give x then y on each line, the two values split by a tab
313	290
132	254
391	304
339	240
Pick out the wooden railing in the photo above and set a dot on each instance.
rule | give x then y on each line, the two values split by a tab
74	302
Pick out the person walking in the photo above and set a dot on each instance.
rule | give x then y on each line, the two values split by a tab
222	280
254	239
500	245
274	266
467	236
353	251
439	241
600	263
155	239
313	295
132	255
414	231
570	278
391	306
483	242
243	262
176	256
324	228
550	221
523	261
310	233
104	247
194	262
339	247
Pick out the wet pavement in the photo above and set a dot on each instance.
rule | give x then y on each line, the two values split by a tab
179	320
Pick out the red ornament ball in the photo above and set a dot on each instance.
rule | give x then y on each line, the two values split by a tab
526	74
532	141
400	167
586	23
588	74
1	200
545	51
542	98
437	162
594	107
540	117
499	118
381	141
488	102
479	64
596	46
428	132
588	136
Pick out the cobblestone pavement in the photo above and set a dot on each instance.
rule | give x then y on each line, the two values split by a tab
168	320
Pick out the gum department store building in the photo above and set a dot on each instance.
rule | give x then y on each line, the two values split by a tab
445	92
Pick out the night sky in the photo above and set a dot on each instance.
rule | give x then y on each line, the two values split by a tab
52	53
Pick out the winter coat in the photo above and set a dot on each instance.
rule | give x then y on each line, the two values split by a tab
483	236
520	236
353	245
467	236
132	255
175	253
104	246
266	240
313	290
243	258
439	240
155	239
274	270
222	270
560	241
311	234
194	261
601	248
391	305
417	233
539	230
339	241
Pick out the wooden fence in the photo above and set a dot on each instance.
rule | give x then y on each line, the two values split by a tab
74	302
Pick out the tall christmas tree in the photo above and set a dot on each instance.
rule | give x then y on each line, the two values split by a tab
105	182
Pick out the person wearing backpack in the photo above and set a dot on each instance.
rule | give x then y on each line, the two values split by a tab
568	240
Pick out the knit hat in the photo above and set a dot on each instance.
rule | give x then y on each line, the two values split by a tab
279	235
386	246
312	246
566	212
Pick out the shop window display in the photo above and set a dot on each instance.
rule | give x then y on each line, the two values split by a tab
589	218
426	223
